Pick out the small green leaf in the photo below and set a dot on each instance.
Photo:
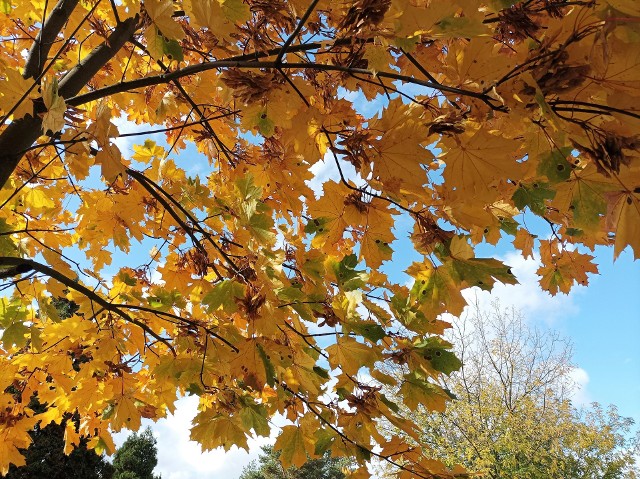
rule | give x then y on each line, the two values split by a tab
15	335
324	440
534	196
371	331
348	277
268	366
224	294
555	166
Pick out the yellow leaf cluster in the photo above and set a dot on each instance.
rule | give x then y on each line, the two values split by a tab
207	197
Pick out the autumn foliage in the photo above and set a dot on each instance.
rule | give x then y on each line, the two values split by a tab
203	262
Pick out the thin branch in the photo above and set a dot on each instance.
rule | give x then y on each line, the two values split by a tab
196	224
24	263
175	317
295	33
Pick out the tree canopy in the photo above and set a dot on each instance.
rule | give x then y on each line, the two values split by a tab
137	457
204	263
514	417
269	466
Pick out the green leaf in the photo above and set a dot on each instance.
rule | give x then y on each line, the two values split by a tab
346	274
236	10
588	206
173	50
268	366
249	196
126	278
418	390
324	440
390	404
164	300
291	443
160	46
11	311
317	226
438	353
509	226
7	246
534	196
5	7
261	226
15	335
194	389
323	373
482	272
554	165
371	331
224	294
254	416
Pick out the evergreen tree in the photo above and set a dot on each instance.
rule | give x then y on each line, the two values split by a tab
137	457
268	466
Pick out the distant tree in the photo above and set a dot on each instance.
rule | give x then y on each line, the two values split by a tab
269	466
137	457
513	417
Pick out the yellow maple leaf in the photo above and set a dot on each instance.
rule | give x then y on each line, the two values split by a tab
350	355
161	12
13	92
110	160
293	445
477	162
126	414
623	218
212	429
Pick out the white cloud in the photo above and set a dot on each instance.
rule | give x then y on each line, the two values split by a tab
326	170
527	296
580	396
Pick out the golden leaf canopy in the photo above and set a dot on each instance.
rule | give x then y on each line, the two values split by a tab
206	197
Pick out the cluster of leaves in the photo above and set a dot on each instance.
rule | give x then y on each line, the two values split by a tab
514	417
530	105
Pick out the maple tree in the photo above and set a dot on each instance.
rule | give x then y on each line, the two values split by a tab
252	292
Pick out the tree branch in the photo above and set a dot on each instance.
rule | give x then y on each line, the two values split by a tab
44	41
252	64
21	134
295	33
23	263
